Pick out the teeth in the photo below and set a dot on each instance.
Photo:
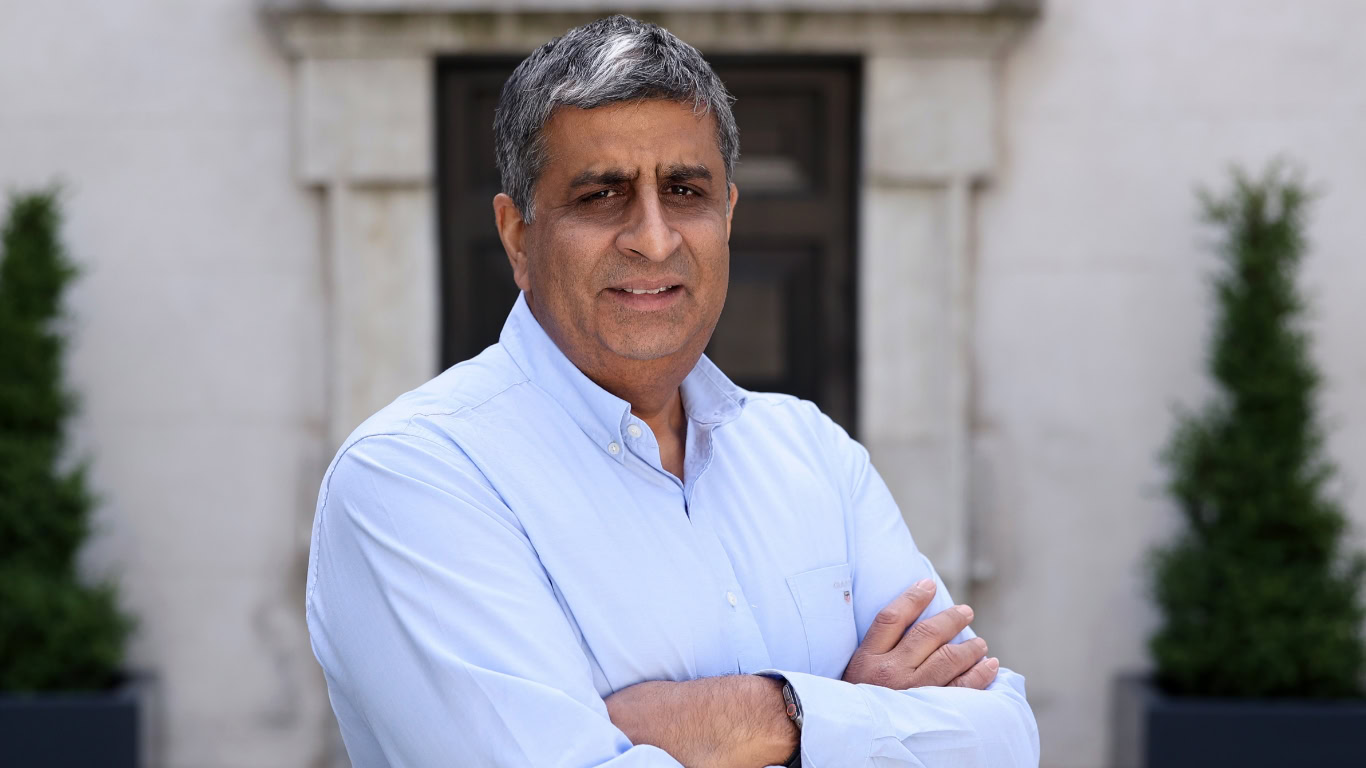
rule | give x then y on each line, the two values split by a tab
639	291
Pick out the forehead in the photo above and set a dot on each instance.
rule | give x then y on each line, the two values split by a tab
630	135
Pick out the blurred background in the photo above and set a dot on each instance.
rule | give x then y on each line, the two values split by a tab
967	229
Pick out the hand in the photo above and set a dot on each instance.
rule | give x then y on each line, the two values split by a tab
892	657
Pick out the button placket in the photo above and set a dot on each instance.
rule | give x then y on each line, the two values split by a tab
742	628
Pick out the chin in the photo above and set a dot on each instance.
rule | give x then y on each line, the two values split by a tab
645	343
645	350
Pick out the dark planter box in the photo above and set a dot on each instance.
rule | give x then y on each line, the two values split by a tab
79	730
1154	729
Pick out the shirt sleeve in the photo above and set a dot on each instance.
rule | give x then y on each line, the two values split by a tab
865	725
437	628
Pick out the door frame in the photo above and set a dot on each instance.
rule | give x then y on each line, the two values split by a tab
460	304
365	123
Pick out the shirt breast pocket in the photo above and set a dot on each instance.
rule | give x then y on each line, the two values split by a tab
825	601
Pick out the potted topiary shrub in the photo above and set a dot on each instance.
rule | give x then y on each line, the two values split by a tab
63	700
1259	655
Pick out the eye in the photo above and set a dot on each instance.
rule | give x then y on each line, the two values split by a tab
601	194
682	191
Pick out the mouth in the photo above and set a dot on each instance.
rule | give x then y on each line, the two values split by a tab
646	291
644	297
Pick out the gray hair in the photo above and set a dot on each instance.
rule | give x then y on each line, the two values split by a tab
610	60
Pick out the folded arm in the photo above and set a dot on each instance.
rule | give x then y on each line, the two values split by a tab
735	721
861	724
950	723
437	628
443	642
440	634
959	722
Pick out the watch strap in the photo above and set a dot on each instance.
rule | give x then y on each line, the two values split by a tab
793	704
794	713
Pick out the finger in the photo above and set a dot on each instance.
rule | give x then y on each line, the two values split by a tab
890	623
931	634
950	661
980	676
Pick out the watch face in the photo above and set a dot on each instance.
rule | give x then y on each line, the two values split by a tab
790	699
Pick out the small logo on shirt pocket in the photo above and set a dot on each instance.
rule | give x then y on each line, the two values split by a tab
821	591
825	599
843	586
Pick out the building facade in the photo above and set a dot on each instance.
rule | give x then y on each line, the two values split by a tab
257	196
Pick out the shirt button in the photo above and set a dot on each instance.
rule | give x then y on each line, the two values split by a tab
613	448
633	431
730	598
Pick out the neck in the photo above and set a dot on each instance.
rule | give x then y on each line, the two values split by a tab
652	389
657	401
663	420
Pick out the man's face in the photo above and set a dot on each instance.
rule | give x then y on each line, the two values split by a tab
632	200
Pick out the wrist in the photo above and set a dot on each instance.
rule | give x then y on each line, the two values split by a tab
781	734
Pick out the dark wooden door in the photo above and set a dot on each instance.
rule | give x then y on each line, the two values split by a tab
790	319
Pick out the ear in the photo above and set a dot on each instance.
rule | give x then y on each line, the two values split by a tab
512	231
730	207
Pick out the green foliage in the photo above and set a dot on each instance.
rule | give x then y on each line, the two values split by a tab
1257	596
55	632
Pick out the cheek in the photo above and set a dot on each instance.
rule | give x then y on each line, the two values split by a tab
564	264
709	245
722	282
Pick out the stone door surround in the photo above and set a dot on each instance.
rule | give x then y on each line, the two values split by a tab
364	95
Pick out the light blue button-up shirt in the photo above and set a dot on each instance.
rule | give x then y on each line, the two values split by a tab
497	551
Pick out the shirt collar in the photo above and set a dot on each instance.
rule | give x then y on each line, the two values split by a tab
709	397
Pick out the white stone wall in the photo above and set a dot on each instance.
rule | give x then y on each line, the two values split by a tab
198	347
1093	305
201	321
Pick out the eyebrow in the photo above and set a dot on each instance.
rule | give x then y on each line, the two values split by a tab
680	172
616	176
608	178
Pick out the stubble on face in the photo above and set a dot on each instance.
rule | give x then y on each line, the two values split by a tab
646	336
634	195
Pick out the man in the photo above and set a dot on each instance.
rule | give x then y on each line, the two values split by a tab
586	546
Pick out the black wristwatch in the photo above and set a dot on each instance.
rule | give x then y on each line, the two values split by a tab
794	713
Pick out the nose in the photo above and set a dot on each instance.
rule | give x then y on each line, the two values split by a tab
649	233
